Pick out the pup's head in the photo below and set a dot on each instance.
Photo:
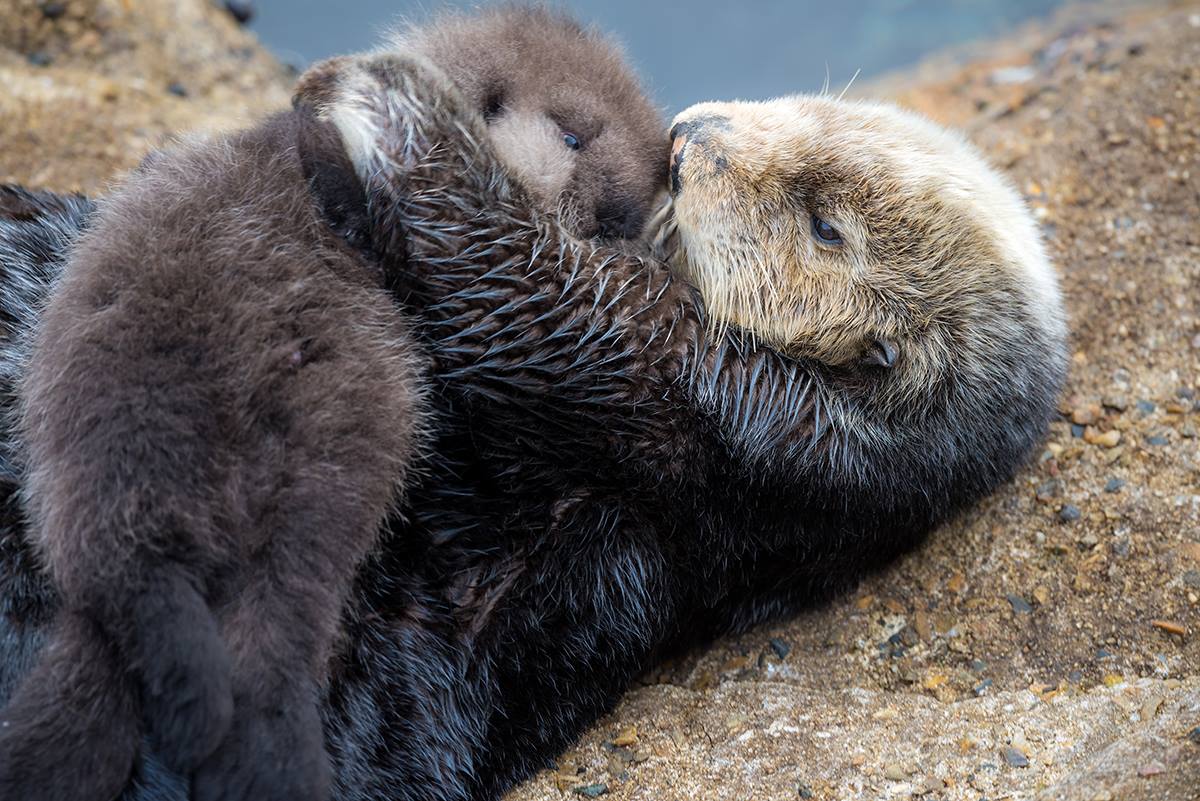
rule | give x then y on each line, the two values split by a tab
859	234
565	113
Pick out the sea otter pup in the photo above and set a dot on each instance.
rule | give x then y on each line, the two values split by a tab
617	474
217	429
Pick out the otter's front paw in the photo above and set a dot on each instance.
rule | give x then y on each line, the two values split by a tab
274	752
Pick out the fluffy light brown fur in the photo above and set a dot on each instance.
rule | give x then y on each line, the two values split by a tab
934	241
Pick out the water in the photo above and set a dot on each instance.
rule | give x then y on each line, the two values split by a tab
702	50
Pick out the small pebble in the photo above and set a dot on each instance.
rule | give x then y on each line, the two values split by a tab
241	10
895	772
1015	758
804	791
53	10
978	665
177	89
1158	440
1077	430
982	687
592	790
40	58
1106	439
1145	407
1075	676
1151	769
1049	490
1069	513
1114	484
1117	403
1019	605
1194	735
626	737
781	648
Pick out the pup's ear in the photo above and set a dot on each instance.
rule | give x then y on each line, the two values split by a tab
332	179
318	87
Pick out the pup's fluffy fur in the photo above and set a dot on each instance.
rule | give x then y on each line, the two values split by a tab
537	76
222	403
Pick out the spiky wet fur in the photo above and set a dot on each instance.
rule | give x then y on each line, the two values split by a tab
608	481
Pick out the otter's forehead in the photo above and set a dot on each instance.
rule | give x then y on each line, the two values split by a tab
831	139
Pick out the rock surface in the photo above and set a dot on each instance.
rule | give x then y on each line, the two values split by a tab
87	87
1046	645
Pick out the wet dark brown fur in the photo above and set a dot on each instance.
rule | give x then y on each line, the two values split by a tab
222	406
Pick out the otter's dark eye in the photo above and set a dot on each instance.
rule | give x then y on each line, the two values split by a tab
571	140
825	232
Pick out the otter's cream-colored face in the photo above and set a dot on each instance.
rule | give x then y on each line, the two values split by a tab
850	232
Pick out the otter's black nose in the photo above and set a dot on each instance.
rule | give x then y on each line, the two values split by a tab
697	130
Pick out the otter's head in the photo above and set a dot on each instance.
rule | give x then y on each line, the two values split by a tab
860	235
565	112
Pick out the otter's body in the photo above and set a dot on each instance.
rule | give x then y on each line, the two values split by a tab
612	478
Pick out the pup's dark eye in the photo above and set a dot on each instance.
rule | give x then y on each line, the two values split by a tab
571	140
825	232
493	106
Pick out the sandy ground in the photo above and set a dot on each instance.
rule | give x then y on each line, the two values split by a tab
1046	645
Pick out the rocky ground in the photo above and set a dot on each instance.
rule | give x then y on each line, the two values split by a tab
1045	646
88	86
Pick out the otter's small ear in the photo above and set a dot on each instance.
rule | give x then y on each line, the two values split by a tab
880	353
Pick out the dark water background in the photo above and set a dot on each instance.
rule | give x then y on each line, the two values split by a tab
689	52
